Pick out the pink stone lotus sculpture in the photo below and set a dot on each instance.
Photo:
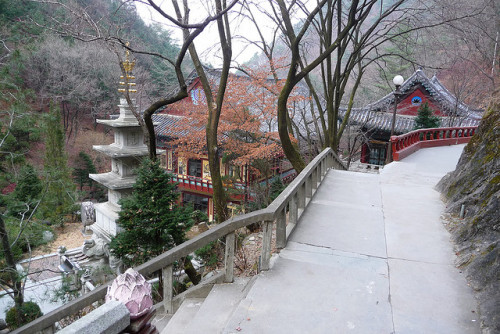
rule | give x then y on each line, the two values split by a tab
132	289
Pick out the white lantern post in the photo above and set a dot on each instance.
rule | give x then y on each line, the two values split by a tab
398	81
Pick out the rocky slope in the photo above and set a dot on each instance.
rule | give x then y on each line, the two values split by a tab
475	185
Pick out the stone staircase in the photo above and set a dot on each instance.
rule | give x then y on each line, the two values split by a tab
210	314
369	255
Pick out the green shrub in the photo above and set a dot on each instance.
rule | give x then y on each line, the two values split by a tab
28	312
33	232
208	254
199	216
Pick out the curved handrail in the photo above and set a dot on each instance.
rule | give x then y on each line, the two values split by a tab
408	143
293	197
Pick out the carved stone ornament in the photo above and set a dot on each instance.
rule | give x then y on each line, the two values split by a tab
132	289
87	213
95	249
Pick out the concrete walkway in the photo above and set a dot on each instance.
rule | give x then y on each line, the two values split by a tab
370	255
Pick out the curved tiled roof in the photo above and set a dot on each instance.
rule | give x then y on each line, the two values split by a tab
375	116
382	120
168	125
438	92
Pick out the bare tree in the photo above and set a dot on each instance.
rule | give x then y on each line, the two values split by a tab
350	38
80	77
214	101
82	26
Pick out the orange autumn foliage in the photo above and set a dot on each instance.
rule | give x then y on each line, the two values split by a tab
247	127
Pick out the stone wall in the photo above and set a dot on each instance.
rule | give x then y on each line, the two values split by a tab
474	189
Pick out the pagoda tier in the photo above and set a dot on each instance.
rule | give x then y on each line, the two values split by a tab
126	153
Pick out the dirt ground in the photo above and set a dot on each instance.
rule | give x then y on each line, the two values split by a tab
69	236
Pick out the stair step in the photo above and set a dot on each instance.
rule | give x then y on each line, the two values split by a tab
161	319
219	306
184	315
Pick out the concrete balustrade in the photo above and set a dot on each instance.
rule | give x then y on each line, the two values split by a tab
408	143
110	318
293	200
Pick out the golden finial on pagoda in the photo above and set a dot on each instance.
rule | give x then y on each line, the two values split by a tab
128	66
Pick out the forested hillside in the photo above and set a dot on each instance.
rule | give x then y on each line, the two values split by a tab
54	85
41	64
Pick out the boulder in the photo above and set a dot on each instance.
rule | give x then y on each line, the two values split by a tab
47	236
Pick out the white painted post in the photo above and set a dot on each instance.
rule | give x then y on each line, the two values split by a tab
229	258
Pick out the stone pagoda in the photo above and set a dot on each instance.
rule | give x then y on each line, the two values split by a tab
126	154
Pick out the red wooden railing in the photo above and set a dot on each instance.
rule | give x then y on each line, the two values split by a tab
188	182
406	144
194	183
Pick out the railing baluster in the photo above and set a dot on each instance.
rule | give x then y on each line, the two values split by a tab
320	172
281	229
168	282
293	212
267	235
302	196
309	187
314	182
229	258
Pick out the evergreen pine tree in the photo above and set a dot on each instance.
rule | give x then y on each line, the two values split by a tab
27	193
29	186
85	166
425	118
60	196
277	187
150	218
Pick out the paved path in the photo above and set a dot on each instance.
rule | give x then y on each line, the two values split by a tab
370	255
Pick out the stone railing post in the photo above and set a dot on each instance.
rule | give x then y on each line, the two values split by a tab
168	280
308	188
293	209
267	236
281	229
229	258
314	181
301	196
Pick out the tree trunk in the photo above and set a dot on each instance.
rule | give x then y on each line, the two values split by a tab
16	286
289	149
219	196
191	271
215	108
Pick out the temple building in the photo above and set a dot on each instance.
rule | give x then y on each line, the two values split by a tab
191	170
375	119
